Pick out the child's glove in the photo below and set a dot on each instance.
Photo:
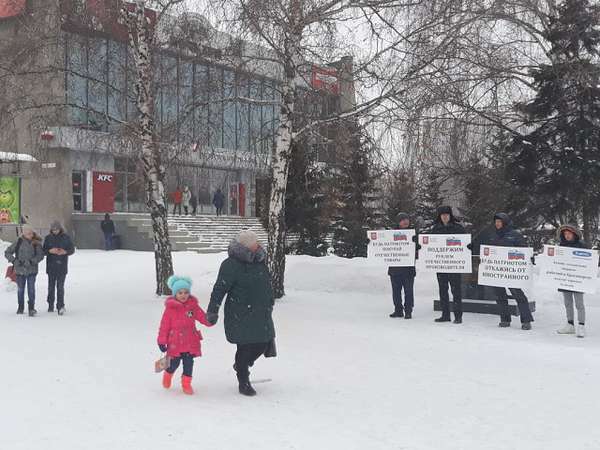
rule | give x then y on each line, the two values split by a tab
212	317
163	347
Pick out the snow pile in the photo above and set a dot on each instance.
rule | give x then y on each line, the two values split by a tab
347	376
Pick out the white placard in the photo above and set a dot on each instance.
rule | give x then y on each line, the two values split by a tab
391	247
569	268
508	267
445	253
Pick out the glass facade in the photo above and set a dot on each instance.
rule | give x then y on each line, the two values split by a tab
195	102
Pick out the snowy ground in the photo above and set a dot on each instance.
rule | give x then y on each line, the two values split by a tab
347	377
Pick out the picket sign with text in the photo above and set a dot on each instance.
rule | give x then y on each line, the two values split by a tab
506	267
445	253
391	247
569	268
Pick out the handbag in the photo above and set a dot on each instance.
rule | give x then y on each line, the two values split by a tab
162	363
11	274
271	350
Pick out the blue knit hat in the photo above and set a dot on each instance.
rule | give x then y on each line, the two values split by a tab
176	283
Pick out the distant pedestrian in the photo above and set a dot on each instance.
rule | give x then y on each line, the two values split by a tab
108	229
219	201
177	199
194	204
57	248
186	196
25	255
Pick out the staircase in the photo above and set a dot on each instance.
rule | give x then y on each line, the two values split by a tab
202	234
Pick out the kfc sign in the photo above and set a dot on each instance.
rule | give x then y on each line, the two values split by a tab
11	8
103	192
105	178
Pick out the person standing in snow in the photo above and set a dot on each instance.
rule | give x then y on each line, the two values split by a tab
108	229
403	278
177	199
219	201
177	335
194	204
246	281
504	235
445	223
570	236
25	255
57	248
186	196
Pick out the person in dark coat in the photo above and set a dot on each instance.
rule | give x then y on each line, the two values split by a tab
570	236
245	280
57	248
219	201
194	204
108	228
505	235
446	223
403	278
25	255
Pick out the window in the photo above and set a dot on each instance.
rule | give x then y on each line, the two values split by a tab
77	181
97	83
117	80
186	104
243	114
229	111
76	79
203	106
255	130
168	84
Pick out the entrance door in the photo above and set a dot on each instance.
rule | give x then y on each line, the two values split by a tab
233	199
78	184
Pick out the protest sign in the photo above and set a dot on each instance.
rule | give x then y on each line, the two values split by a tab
445	253
569	268
506	267
391	247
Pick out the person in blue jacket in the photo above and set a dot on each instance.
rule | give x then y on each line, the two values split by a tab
58	246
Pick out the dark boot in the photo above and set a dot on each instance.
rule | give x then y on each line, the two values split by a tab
245	387
50	307
458	318
408	315
20	308
504	324
397	314
32	311
444	318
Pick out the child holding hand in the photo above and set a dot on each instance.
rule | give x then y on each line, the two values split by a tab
178	336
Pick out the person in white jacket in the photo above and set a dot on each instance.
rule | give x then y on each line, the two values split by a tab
186	197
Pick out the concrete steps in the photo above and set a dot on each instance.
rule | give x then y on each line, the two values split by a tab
202	234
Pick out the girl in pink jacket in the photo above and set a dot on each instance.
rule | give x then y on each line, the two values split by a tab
177	334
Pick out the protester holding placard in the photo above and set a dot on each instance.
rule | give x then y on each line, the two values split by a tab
570	236
403	278
445	223
505	235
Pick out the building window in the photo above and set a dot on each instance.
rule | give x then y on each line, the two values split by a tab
77	182
229	111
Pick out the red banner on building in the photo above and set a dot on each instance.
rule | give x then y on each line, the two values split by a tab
325	80
103	192
11	8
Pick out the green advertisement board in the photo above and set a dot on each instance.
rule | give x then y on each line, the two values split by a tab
10	200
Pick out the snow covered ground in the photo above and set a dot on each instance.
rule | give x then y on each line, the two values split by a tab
347	375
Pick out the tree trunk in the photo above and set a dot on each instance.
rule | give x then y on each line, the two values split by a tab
280	165
154	171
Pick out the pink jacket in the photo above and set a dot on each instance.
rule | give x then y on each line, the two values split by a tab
178	327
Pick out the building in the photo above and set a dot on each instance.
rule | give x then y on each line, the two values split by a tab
73	103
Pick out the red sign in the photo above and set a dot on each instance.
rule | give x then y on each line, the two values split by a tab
11	8
325	79
242	200
103	192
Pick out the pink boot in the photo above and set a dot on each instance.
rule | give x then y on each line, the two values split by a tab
167	377
186	384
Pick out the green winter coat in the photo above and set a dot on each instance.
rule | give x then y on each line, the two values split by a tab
245	279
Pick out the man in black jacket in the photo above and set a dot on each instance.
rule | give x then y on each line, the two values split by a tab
108	228
445	223
57	248
403	278
505	235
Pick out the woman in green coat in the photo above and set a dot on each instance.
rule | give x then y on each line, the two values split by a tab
245	280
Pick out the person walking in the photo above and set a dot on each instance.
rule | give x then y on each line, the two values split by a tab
219	201
504	235
194	204
403	278
177	199
57	247
177	334
446	223
186	196
108	229
245	280
25	255
570	236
